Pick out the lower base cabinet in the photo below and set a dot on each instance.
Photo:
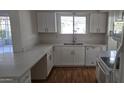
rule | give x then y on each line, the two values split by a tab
50	63
39	70
92	53
69	55
77	55
42	69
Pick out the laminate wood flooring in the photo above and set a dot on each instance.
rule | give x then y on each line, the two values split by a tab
70	75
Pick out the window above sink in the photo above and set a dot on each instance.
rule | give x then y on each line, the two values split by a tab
71	23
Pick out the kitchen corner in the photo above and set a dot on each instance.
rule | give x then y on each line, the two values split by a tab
13	67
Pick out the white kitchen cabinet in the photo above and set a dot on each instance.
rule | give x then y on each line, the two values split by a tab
57	55
69	55
92	53
42	69
50	63
64	55
39	70
98	23
46	22
79	56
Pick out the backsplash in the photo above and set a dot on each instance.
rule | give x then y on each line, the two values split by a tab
59	38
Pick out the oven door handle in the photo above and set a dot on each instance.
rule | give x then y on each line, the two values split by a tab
101	68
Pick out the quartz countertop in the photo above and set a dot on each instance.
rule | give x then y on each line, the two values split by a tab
15	65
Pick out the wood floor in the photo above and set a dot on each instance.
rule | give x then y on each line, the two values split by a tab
70	75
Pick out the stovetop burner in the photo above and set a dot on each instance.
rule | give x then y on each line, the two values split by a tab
110	62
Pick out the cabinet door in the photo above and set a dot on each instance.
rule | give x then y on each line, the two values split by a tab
94	23
42	21
67	55
98	23
57	55
49	60
92	54
46	22
51	22
39	70
79	56
64	55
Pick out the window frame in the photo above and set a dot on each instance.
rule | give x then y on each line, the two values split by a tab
4	24
80	14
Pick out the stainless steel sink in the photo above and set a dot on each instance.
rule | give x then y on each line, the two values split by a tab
73	43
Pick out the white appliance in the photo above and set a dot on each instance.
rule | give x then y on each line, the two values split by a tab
110	66
118	35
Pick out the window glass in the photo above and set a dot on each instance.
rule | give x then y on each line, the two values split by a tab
80	25
67	24
5	35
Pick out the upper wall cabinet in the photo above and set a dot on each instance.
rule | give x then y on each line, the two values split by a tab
98	23
46	22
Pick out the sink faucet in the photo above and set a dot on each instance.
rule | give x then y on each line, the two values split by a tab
74	37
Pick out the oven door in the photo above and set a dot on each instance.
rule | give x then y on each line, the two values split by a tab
101	74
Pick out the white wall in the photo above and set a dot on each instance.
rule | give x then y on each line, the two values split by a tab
24	29
28	27
15	29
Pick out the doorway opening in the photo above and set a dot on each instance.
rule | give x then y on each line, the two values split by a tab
5	35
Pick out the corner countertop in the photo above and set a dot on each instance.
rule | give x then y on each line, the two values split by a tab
15	65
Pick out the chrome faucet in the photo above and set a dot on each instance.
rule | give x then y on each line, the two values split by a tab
74	37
